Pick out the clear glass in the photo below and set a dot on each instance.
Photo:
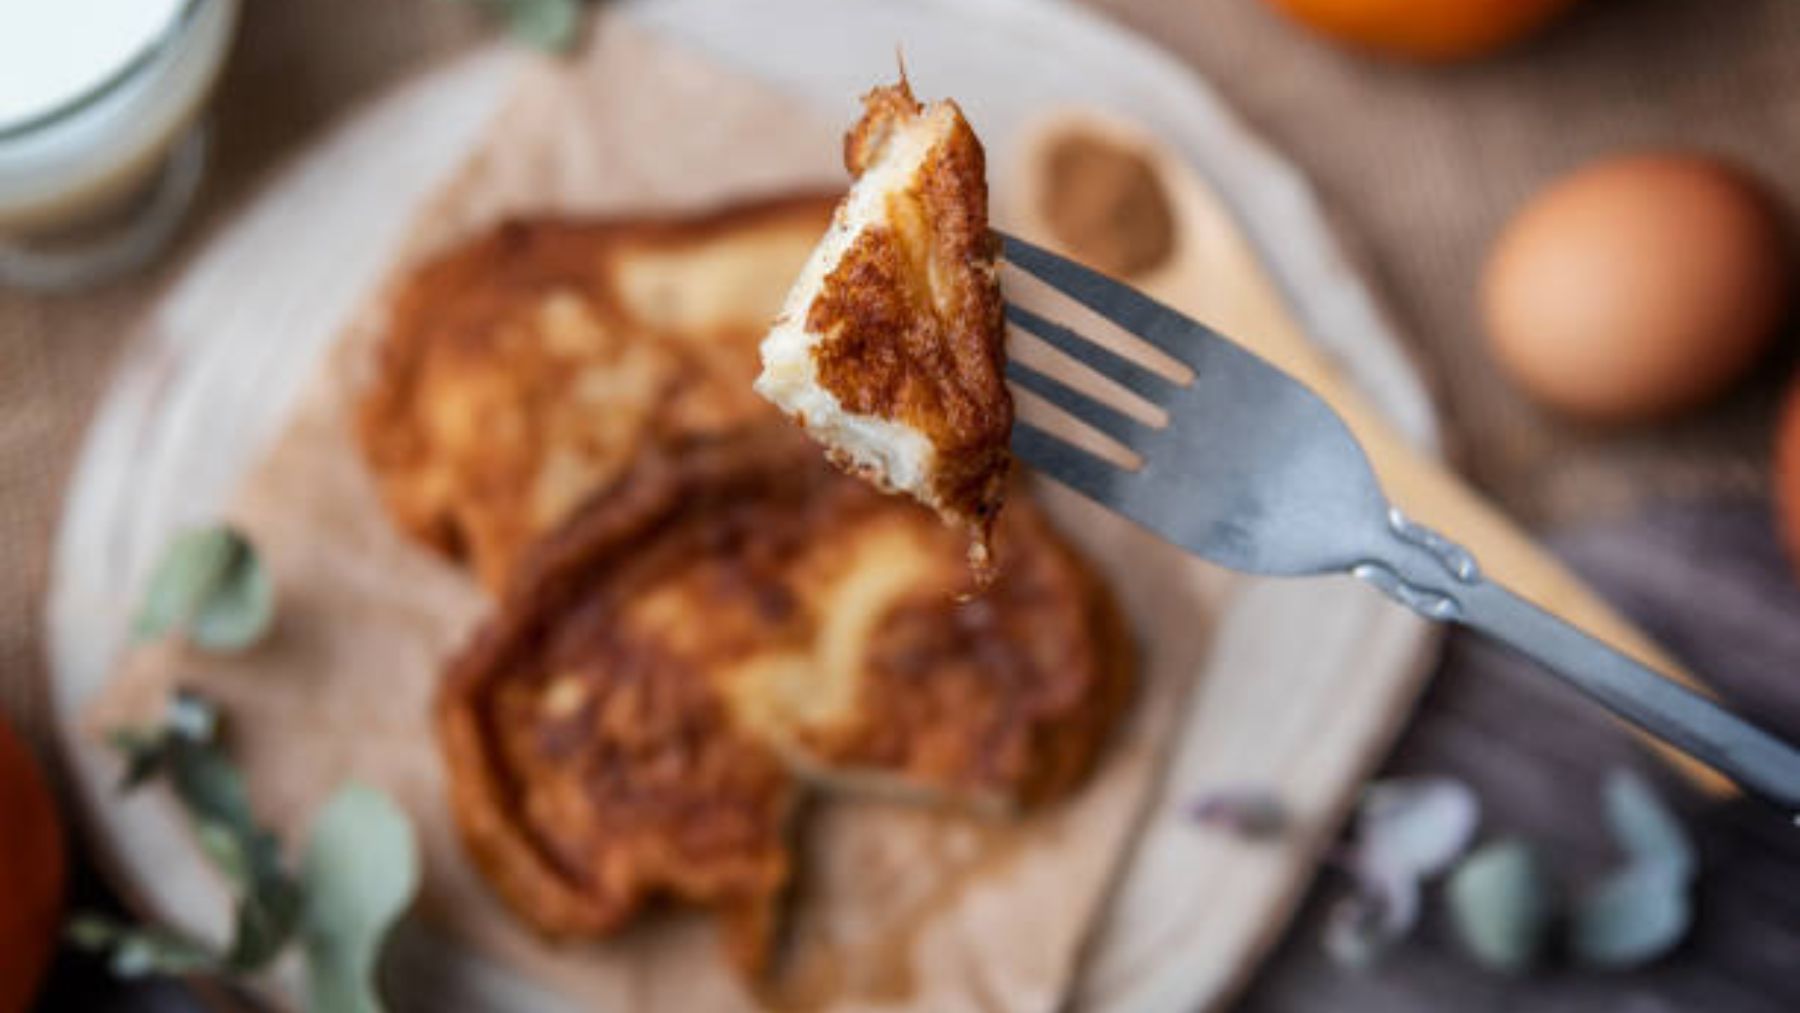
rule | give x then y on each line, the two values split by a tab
97	187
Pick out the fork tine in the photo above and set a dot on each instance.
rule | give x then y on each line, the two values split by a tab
1145	383
1103	417
1122	304
1067	463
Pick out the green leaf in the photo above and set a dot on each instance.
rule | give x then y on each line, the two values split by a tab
1643	909
268	906
267	918
1632	917
220	844
212	793
211	588
188	718
183	578
151	950
241	605
360	874
546	24
211	787
1644	828
138	951
1502	903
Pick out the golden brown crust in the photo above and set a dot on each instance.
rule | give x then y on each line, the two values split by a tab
530	365
912	320
1001	699
592	767
613	735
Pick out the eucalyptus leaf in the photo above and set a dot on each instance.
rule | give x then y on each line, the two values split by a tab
1415	826
1502	903
1644	828
267	917
185	575
1643	909
211	588
240	611
221	846
211	787
359	874
1632	917
547	24
137	951
151	950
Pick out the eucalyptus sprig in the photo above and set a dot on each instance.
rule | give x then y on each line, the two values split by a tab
359	874
1503	900
184	750
1508	910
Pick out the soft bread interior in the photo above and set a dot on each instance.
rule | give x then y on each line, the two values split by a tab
892	453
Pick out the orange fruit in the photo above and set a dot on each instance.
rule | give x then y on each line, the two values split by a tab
31	873
1787	475
1429	30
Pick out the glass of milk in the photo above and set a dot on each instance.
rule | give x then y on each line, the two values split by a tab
101	143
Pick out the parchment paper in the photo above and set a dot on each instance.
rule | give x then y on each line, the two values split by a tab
899	908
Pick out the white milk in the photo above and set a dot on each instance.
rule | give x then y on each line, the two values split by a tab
98	105
53	52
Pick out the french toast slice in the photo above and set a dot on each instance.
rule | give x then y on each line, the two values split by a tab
530	365
890	348
729	614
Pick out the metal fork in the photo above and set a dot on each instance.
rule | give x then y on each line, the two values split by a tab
1256	473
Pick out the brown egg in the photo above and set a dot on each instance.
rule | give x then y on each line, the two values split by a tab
1636	287
1787	475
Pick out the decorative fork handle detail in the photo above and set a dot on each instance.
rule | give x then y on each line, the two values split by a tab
1439	580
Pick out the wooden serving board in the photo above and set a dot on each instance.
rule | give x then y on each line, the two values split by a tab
1299	687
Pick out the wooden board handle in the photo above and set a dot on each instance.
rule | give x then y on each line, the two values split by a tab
1216	275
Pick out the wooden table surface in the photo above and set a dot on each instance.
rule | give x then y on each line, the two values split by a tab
1649	514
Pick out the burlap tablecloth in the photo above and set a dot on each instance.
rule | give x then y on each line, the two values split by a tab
1419	166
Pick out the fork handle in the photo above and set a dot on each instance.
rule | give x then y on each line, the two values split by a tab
1758	761
1439	580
